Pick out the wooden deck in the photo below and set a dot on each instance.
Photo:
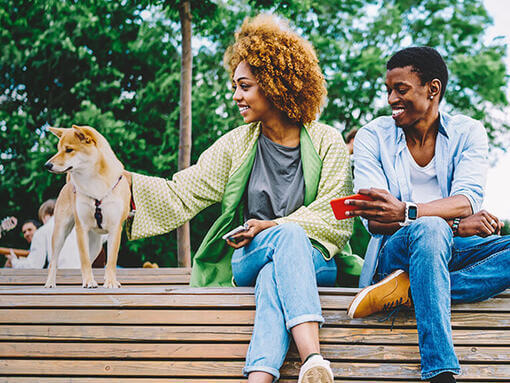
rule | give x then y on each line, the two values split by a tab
157	329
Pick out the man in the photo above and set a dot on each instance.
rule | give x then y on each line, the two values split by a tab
29	228
40	246
431	245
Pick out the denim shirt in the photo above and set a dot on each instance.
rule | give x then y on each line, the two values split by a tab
379	161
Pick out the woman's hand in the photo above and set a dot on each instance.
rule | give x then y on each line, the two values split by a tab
245	237
482	224
384	208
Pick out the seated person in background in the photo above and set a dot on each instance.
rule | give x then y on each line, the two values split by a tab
349	140
29	228
40	247
426	172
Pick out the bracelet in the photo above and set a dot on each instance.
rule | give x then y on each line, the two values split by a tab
455	226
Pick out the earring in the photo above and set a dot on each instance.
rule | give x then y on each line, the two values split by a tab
431	97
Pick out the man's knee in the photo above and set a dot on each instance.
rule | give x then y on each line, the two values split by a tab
432	228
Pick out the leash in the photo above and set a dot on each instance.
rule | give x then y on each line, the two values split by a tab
98	214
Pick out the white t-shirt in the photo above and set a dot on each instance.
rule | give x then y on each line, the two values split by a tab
425	186
40	249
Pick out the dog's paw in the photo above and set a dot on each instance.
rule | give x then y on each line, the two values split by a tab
50	285
89	284
111	284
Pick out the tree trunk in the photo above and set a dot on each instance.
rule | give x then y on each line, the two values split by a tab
183	232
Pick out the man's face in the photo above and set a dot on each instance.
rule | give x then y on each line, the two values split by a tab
407	96
28	230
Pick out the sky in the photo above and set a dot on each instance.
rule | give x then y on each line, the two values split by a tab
497	198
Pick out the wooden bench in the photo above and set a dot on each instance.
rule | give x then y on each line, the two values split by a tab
156	329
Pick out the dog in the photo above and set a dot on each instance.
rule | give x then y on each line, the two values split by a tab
95	199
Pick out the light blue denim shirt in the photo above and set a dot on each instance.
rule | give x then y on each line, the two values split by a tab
380	162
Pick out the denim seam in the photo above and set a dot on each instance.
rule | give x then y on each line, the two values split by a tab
269	370
480	262
303	319
431	374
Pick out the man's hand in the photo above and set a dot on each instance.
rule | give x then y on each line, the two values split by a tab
384	208
10	257
245	237
482	224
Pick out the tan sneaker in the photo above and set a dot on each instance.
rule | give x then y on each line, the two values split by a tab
386	295
316	370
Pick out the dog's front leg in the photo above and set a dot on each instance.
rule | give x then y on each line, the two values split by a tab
110	275
82	237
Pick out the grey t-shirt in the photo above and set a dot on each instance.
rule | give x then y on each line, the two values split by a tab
276	187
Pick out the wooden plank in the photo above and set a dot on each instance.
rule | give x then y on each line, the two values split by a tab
170	380
232	351
228	316
169	276
120	271
379	336
228	369
94	298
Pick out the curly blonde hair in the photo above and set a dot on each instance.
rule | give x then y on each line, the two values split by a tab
284	64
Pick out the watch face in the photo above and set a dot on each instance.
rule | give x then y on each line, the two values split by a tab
413	212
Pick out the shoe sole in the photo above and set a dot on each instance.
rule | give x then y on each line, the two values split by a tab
317	375
362	294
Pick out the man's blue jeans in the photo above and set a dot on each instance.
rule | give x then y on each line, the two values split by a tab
285	269
443	269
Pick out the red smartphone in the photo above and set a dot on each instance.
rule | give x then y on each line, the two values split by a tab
339	207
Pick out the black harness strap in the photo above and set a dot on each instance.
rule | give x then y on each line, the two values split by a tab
98	215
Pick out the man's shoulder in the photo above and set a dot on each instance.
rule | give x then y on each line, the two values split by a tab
462	122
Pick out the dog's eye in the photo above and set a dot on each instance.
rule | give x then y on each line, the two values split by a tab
69	150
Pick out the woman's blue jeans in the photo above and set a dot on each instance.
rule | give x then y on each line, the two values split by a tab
443	269
285	269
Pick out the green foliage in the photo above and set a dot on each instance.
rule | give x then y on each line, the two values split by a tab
116	66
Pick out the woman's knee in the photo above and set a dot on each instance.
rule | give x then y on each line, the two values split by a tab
292	230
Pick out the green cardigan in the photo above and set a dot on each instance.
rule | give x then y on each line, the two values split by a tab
221	175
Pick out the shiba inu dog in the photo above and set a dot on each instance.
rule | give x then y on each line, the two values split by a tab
95	199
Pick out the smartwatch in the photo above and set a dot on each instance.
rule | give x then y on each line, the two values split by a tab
411	214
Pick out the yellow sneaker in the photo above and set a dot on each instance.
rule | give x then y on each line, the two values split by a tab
386	295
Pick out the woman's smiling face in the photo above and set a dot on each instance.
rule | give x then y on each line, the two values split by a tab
409	99
253	104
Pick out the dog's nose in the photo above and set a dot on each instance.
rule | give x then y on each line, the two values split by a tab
48	165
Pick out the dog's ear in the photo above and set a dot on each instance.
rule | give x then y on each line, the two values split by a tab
57	131
84	134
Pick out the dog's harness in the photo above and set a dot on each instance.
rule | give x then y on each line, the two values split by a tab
98	215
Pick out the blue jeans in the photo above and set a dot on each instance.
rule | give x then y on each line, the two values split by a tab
285	269
443	269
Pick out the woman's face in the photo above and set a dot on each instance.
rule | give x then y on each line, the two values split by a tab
253	104
408	98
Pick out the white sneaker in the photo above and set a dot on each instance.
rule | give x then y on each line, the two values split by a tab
316	370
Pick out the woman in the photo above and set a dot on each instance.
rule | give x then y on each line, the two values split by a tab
277	173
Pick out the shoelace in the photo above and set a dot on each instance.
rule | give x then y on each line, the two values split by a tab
393	305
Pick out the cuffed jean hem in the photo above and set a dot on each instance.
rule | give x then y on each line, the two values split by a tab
431	374
304	318
269	370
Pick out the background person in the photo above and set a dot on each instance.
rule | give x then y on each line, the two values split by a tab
426	172
278	173
29	228
40	247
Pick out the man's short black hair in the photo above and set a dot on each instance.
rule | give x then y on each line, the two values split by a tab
425	61
36	223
